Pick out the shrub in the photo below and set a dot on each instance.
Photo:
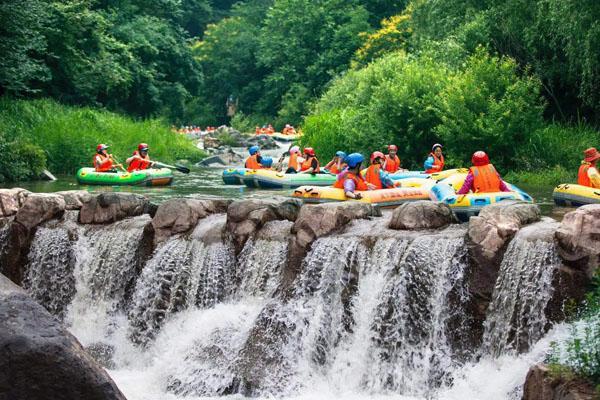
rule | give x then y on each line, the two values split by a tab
20	160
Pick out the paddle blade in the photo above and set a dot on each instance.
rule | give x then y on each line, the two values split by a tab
182	168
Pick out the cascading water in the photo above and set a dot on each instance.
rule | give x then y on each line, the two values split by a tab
370	313
4	227
516	317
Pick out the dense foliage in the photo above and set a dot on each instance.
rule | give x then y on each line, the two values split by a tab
43	134
580	353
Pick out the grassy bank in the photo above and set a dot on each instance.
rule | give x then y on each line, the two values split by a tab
44	134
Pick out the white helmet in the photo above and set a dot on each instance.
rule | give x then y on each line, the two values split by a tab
295	149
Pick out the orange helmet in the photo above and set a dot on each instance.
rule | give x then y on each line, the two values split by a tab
376	155
309	151
480	158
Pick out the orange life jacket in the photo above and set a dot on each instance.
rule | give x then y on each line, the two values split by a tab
293	163
438	164
583	178
359	182
334	169
307	164
138	165
105	165
485	179
252	162
392	164
372	176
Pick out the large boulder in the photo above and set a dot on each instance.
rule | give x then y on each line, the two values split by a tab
11	200
542	384
578	237
181	215
39	208
496	224
40	359
246	217
112	207
75	199
421	215
317	220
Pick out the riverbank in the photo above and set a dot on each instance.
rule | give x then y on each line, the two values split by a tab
39	134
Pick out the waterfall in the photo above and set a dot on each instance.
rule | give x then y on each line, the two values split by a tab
49	277
516	318
107	261
4	228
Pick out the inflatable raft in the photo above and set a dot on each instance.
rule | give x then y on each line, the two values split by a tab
285	138
148	177
412	190
269	179
468	205
234	176
421	174
573	195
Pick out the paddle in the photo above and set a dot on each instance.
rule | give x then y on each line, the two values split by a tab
178	167
119	164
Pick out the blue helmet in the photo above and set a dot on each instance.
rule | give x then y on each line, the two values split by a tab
340	154
253	150
354	159
266	162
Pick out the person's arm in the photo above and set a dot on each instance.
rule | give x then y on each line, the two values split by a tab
504	187
385	179
329	164
133	157
349	188
594	176
468	185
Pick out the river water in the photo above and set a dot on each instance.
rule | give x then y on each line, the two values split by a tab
205	182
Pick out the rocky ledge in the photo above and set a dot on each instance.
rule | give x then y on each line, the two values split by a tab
542	384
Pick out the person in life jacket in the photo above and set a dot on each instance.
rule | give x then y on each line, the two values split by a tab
588	174
140	159
336	165
310	165
482	177
350	178
103	162
294	160
392	162
376	176
257	130
435	161
254	161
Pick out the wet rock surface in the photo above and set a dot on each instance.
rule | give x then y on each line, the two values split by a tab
39	359
11	200
181	215
112	207
542	384
39	208
578	237
421	215
498	223
74	199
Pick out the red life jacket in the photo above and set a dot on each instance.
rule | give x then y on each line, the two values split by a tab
138	165
485	179
392	164
307	164
105	165
334	169
583	178
359	182
372	176
252	162
438	164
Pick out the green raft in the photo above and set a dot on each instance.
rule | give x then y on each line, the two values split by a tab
148	177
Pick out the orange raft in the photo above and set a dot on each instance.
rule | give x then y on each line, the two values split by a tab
411	190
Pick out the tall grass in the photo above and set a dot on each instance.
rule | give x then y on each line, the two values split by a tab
69	135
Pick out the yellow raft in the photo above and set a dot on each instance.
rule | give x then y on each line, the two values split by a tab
412	189
573	195
285	137
468	205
